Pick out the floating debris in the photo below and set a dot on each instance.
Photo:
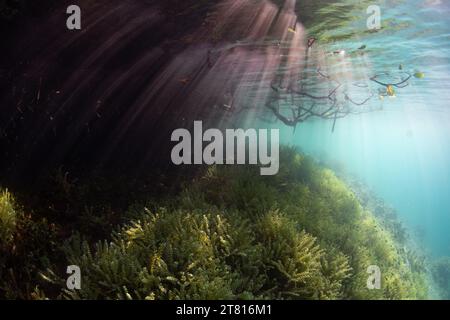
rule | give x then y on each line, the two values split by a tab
339	52
390	91
291	30
184	81
419	75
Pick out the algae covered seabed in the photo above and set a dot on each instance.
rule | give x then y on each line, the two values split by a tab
85	131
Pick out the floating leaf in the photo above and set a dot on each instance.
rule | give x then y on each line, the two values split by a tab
419	75
390	91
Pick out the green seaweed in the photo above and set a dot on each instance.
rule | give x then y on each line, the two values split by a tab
7	217
229	234
233	234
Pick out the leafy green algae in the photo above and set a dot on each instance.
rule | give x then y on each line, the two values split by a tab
233	234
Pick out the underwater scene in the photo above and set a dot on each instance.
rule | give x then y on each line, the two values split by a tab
225	150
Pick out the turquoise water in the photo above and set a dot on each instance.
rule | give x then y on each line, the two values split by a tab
402	153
